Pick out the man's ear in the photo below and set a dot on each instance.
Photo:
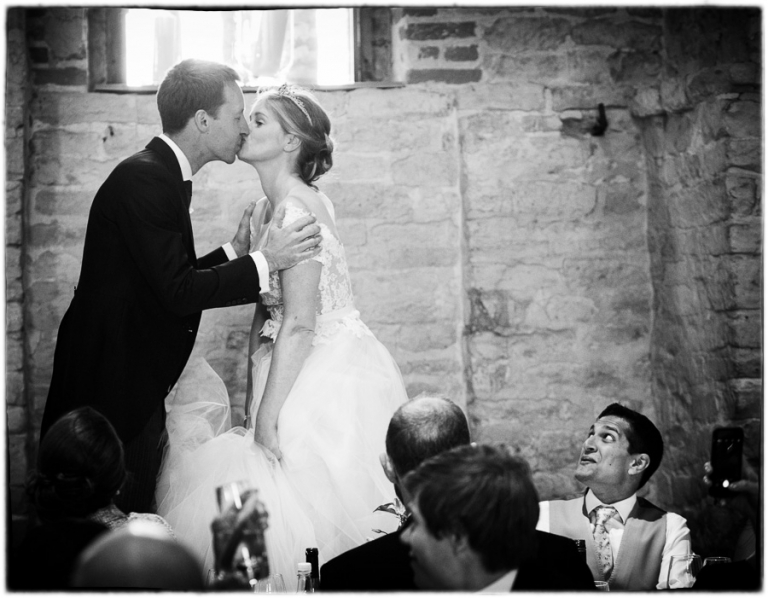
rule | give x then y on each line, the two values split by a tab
202	120
460	545
639	464
389	470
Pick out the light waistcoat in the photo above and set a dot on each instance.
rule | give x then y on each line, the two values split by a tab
638	562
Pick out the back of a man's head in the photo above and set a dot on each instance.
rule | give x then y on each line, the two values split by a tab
423	427
642	436
139	556
483	493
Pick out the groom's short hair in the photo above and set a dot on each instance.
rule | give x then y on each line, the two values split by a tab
190	86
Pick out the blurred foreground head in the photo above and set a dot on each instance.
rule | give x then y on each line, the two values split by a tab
139	556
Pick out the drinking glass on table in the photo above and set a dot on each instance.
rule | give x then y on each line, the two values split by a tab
683	569
272	584
602	586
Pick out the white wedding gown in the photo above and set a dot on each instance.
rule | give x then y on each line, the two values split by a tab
331	431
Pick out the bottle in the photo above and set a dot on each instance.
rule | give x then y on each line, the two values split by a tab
581	547
314	576
303	581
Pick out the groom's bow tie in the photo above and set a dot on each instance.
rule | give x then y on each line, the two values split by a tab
188	189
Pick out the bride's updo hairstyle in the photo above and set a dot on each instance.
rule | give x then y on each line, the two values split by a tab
298	113
80	466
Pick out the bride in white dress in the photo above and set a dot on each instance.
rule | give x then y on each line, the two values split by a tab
321	387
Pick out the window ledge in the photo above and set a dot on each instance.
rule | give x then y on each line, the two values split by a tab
151	89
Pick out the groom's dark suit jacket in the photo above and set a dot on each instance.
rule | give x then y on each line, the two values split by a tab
383	564
129	330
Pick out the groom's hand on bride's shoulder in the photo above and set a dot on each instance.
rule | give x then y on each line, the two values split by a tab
288	245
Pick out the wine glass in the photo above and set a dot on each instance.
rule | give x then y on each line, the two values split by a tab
683	569
716	560
272	584
231	494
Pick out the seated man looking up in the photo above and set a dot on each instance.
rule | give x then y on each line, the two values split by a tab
474	519
629	541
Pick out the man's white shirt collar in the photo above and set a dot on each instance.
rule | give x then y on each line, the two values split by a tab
503	584
624	507
186	169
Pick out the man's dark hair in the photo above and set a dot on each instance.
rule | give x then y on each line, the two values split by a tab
190	86
423	427
483	493
642	435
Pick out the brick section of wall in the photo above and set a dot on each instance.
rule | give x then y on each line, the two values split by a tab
57	41
706	247
16	115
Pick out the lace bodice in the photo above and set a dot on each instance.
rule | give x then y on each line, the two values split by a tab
334	302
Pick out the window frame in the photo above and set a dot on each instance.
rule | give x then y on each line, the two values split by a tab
106	49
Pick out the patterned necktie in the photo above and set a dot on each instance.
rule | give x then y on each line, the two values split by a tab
599	517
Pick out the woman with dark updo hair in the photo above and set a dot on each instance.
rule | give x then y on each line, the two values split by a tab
80	470
321	388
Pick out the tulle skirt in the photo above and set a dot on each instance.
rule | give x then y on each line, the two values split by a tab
331	429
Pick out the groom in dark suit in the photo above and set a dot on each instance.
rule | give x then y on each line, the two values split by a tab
130	328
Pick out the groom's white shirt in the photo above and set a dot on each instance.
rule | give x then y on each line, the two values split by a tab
258	258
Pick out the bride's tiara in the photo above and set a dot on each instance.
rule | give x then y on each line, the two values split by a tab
285	91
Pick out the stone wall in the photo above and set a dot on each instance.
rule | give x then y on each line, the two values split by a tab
17	93
703	150
505	255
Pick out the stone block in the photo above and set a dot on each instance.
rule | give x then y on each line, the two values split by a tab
749	393
587	97
61	202
414	296
537	68
17	457
743	119
433	169
631	35
747	363
588	66
66	33
363	167
16	419
514	35
14	388
709	82
62	109
450	76
746	326
370	201
746	273
461	53
15	158
646	102
746	237
636	68
673	93
13	230
14	317
747	73
413	245
742	191
428	53
437	31
65	77
398	103
408	134
745	153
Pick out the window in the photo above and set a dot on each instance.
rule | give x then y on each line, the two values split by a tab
132	49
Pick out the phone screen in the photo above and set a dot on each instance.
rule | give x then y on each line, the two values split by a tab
726	458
